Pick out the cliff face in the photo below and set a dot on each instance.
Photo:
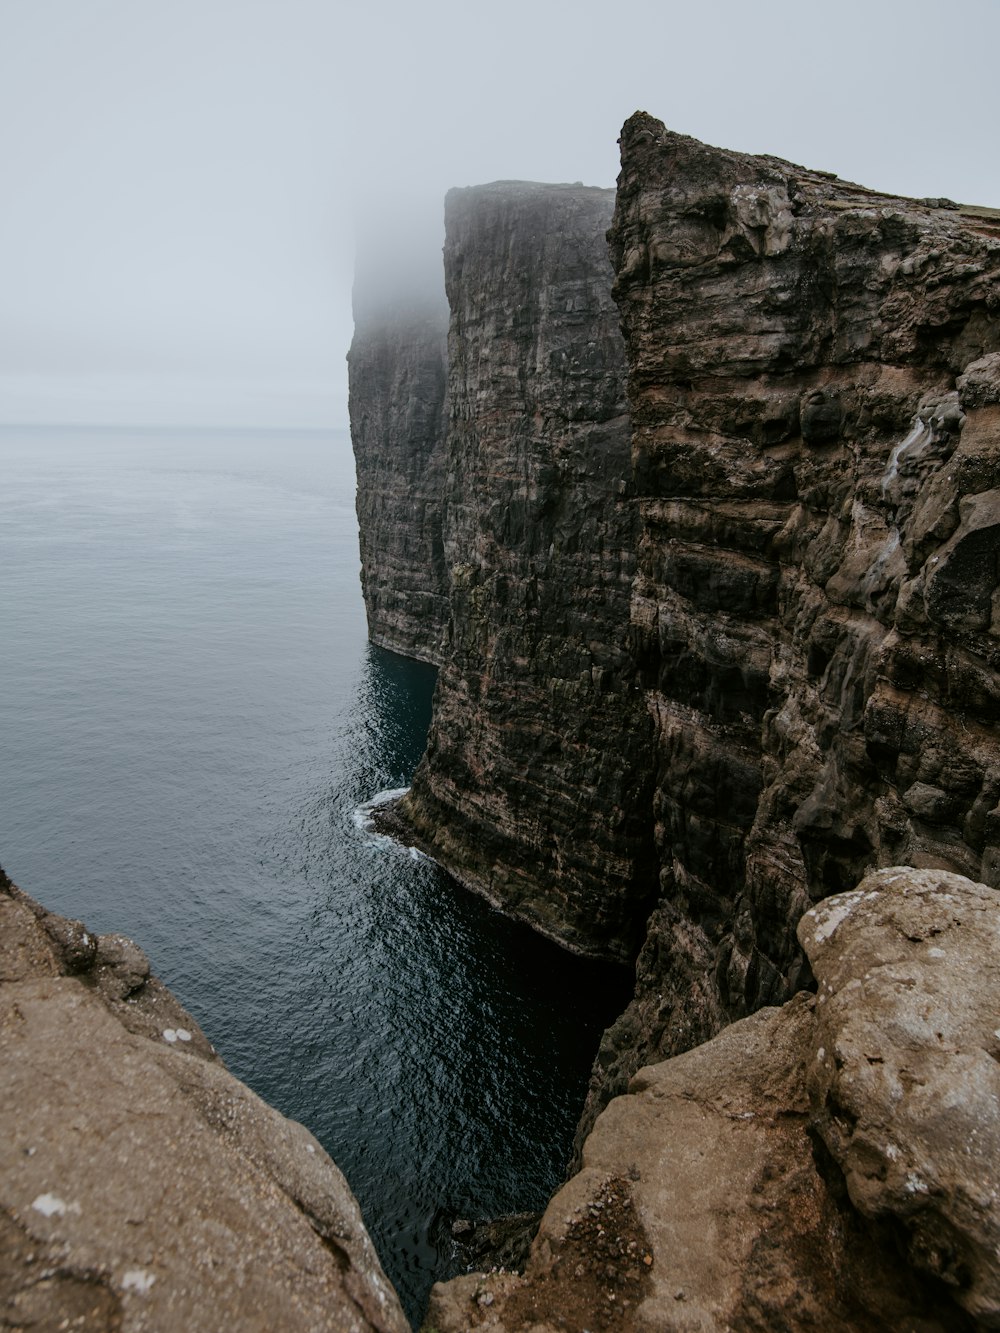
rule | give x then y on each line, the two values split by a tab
397	370
814	384
720	656
536	785
141	1185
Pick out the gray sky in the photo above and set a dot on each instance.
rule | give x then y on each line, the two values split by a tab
182	177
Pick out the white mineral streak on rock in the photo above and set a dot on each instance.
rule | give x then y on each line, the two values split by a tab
137	1279
892	470
50	1205
833	914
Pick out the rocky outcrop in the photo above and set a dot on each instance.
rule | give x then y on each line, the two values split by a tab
397	370
142	1186
829	1165
815	402
536	785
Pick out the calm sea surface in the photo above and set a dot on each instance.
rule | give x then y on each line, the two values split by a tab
190	716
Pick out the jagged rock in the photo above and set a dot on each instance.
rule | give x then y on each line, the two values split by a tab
141	1185
816	441
830	1165
536	782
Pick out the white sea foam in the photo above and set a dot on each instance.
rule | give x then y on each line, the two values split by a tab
362	816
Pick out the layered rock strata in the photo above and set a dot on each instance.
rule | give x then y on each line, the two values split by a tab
397	371
141	1185
814	386
829	1165
725	657
536	786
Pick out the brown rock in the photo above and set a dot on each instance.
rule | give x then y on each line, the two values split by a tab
906	1072
816	445
141	1185
720	1205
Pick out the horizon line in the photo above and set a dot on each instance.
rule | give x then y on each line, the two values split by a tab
171	425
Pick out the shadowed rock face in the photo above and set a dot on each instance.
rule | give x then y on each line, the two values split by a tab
829	1165
397	370
141	1185
536	785
814	386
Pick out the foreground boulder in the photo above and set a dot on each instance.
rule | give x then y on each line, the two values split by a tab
831	1164
141	1185
905	1075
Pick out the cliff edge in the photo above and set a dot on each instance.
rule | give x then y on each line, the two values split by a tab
142	1186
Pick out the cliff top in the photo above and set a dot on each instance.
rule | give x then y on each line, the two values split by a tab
642	129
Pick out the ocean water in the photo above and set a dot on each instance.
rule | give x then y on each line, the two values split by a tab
190	719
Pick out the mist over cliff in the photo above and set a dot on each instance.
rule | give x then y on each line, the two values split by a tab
720	633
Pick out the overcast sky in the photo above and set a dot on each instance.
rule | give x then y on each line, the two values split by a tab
181	178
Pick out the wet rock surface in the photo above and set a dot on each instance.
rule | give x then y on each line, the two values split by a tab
535	787
765	1179
141	1185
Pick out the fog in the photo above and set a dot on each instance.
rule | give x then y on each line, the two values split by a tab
183	182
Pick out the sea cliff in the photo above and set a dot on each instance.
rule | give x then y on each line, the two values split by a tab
721	590
814	385
722	642
537	778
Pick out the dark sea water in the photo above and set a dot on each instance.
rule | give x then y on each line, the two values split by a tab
190	717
